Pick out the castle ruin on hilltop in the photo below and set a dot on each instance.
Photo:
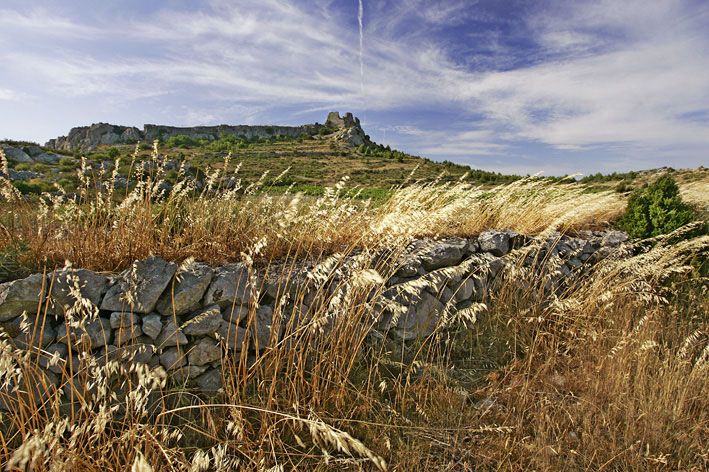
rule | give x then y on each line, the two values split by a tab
98	134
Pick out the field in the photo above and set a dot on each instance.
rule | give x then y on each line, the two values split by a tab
611	374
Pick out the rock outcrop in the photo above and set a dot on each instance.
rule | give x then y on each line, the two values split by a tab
335	121
97	134
29	154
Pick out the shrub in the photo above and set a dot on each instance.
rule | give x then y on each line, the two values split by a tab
67	162
113	153
32	188
655	209
622	187
182	141
67	185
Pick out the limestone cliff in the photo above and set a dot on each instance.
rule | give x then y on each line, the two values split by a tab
107	134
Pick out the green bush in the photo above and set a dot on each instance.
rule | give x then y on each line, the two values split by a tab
32	188
655	209
182	141
622	187
68	162
113	153
67	185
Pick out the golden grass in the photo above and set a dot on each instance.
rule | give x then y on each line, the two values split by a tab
105	228
696	193
612	374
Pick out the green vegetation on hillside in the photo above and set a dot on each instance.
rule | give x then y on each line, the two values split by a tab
655	209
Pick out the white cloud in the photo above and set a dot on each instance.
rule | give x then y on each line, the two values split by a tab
11	95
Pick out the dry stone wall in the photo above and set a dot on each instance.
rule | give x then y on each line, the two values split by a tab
183	319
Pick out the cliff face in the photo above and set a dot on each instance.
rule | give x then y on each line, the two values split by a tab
152	132
94	135
106	134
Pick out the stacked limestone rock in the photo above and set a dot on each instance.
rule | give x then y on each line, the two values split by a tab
444	277
184	319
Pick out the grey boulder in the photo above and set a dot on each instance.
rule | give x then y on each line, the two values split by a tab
614	238
443	253
47	158
420	320
173	358
37	332
210	382
90	285
140	287
206	321
187	290
96	333
495	242
231	335
152	326
204	352
127	334
189	372
21	295
171	335
123	319
261	329
230	287
53	357
15	153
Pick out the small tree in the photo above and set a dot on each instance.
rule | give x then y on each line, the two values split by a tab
655	209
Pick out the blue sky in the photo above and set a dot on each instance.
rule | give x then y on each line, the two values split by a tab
518	86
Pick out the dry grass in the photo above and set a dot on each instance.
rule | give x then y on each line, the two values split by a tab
613	374
105	228
697	194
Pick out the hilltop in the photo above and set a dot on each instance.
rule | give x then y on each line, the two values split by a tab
311	156
306	158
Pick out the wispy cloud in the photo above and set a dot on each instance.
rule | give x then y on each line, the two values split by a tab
11	95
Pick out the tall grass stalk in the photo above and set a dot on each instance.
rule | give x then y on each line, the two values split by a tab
220	217
611	373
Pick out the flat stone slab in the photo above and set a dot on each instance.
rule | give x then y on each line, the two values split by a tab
140	287
229	287
202	322
184	296
90	285
23	295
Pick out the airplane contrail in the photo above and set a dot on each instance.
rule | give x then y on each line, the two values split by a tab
361	42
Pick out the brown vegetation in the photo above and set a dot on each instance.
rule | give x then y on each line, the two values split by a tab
612	374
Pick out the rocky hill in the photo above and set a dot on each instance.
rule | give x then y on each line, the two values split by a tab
99	134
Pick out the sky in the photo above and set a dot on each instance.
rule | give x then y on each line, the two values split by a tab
512	86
